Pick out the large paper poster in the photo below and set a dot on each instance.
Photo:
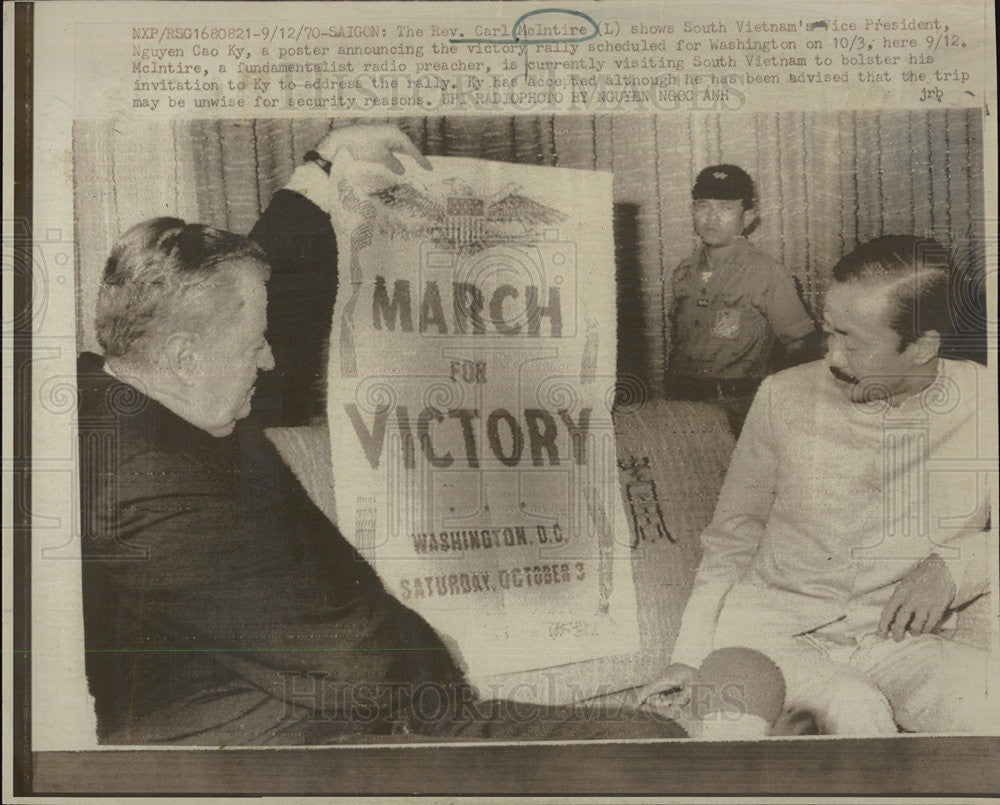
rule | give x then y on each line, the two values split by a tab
471	379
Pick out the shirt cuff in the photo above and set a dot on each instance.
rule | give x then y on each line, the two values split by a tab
697	632
311	181
968	570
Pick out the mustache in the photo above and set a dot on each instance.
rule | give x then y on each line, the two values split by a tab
842	376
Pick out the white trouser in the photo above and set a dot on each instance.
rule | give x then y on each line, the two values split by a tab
868	685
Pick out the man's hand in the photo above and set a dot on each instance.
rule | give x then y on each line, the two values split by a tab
920	600
673	688
372	143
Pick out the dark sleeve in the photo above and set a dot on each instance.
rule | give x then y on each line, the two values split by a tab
299	240
257	580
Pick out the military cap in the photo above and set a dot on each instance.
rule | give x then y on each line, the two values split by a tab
725	182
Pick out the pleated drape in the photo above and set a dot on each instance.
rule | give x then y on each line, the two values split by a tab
826	181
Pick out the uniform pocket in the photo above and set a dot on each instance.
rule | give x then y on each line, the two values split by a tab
727	324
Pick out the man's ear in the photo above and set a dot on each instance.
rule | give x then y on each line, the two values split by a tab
750	220
180	357
925	348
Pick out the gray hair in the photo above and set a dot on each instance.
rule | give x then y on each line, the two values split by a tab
166	275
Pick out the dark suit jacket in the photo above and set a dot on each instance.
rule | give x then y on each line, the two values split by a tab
302	250
214	588
220	605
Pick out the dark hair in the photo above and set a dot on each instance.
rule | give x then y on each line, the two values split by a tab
162	271
917	271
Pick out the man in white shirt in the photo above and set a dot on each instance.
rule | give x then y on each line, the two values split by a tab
853	518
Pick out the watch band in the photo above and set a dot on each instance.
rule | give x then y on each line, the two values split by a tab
313	156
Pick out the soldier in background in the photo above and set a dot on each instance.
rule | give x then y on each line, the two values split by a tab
732	304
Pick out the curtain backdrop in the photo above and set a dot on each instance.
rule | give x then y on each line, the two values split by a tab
826	181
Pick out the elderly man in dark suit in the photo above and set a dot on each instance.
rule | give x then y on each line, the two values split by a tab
220	605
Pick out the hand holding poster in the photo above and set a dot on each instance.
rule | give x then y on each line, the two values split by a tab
471	379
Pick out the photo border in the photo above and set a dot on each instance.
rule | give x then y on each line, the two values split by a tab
960	766
20	459
955	766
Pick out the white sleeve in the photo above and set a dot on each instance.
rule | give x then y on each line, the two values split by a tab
731	540
311	181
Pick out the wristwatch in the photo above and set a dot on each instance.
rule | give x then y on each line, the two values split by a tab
313	156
